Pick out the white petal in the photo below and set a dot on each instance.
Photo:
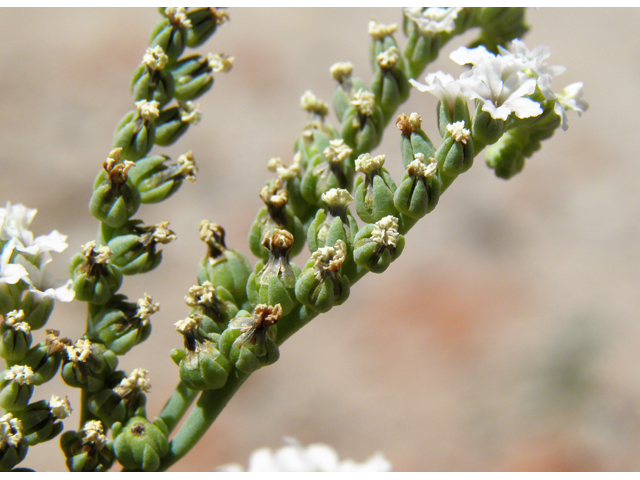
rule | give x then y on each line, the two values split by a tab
65	293
323	457
262	460
524	107
12	273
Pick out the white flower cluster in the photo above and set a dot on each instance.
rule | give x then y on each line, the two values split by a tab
313	458
26	258
504	82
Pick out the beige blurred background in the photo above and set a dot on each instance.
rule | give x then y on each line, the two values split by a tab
506	337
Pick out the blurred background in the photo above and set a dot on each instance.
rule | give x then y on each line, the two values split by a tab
506	336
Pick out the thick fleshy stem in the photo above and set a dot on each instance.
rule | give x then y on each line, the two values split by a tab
177	406
204	413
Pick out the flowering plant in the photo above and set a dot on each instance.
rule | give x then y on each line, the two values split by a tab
240	314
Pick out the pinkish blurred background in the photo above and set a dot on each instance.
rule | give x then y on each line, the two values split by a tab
506	337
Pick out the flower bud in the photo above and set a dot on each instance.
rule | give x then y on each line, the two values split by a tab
377	245
115	199
120	403
249	341
222	266
327	171
192	77
217	306
140	444
134	248
313	140
15	336
292	182
413	139
202	367
40	420
390	84
95	280
173	122
13	446
158	177
455	154
88	365
347	86
274	283
150	81
204	23
135	133
374	192
88	450
170	33
122	325
37	308
321	284
419	190
44	359
485	129
363	123
275	214
16	387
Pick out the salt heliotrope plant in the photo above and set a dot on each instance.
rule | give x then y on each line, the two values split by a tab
334	195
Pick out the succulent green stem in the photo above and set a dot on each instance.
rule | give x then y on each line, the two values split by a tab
177	406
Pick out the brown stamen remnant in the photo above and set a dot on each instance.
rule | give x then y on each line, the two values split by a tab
96	259
275	197
213	235
403	125
264	316
138	429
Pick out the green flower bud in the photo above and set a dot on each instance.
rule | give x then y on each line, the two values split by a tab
16	387
120	403
170	33
88	450
95	280
249	341
13	447
347	86
222	266
327	171
88	365
15	336
455	154
192	77
381	40
499	26
413	139
275	214
204	23
390	84
217	306
174	121
115	199
37	308
450	114
150	81
507	156
7	299
419	189
485	129
135	133
313	140
40	420
202	367
140	445
374	192
134	248
321	284
292	182
158	177
44	359
362	123
377	245
122	325
275	282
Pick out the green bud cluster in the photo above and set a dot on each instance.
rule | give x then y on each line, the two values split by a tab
88	450
139	444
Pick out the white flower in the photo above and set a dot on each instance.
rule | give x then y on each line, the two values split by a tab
502	89
570	99
442	85
15	221
60	407
313	458
433	19
10	272
10	431
42	282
